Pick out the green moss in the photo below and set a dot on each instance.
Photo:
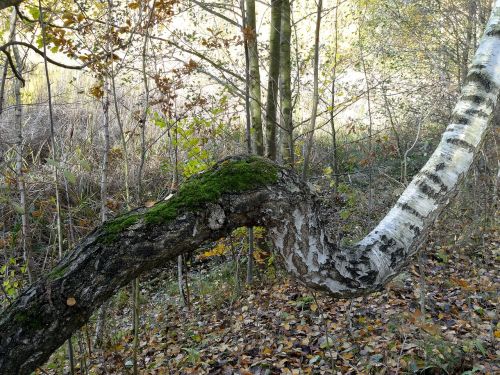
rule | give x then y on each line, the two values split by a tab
231	176
121	223
117	225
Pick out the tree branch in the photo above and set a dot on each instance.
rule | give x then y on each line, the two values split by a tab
4	47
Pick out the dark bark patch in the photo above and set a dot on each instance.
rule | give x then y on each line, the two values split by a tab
461	143
427	190
386	243
476	112
406	207
494	32
396	256
369	278
476	99
481	78
299	264
415	229
436	179
460	119
439	166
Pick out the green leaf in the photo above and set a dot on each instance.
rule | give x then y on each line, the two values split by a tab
70	177
85	165
17	207
52	162
34	11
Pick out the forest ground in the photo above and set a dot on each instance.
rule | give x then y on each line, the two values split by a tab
276	326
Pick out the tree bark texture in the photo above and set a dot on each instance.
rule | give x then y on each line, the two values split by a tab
254	84
252	191
272	83
286	85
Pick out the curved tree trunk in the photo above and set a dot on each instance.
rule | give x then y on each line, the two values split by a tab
249	191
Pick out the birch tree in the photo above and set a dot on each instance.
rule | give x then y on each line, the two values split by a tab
249	191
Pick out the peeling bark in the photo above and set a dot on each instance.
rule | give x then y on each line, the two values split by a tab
251	191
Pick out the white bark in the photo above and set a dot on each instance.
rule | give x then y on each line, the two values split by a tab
386	249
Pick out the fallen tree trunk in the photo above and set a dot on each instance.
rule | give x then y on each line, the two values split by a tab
249	191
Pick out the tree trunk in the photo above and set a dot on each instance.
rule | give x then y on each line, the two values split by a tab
18	114
335	156
315	99
254	84
249	191
5	68
272	84
286	85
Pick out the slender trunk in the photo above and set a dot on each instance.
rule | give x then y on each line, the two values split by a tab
335	161
251	248
272	85
180	281
26	242
71	357
468	38
122	137
248	116
286	85
101	316
136	315
314	111
254	83
5	68
144	114
100	330
370	119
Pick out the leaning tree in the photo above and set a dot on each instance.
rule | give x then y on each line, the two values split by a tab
248	191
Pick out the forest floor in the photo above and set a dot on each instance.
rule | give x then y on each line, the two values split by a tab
279	327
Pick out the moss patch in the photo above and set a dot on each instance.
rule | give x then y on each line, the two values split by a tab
231	176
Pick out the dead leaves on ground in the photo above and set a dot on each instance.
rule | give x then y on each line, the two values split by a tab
283	328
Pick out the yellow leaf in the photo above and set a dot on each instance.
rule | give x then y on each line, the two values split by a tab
348	355
267	351
314	307
71	301
497	333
